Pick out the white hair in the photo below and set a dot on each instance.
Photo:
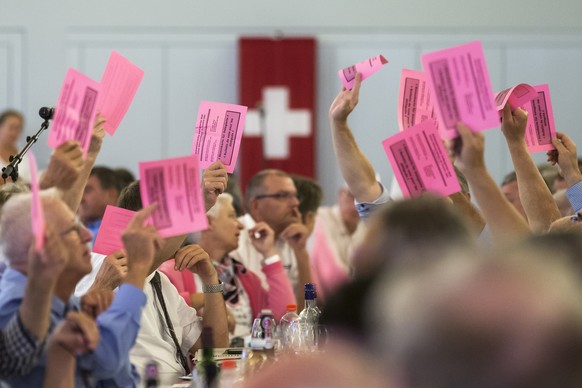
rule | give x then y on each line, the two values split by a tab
16	225
221	200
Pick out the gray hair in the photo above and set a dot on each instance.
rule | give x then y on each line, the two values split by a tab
15	225
221	200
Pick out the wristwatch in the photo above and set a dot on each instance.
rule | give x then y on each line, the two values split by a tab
213	288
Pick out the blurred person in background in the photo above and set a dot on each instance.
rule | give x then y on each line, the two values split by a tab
11	127
506	318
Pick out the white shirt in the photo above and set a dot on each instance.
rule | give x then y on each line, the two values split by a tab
153	340
251	258
87	281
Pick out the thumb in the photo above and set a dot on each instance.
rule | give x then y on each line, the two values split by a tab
520	115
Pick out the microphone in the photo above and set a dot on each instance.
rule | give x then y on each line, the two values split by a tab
46	113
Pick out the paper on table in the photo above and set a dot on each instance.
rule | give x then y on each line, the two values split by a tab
113	224
37	214
420	163
218	133
119	84
540	121
414	100
75	111
461	89
517	96
175	185
366	68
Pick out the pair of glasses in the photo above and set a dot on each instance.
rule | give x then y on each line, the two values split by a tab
283	195
576	218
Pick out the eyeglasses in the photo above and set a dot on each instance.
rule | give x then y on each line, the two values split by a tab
576	218
77	227
281	196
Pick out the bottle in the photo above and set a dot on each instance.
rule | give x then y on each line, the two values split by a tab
152	379
207	367
310	318
257	357
229	374
290	328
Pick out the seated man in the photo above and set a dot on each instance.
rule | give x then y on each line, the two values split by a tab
272	198
170	328
118	325
243	292
103	188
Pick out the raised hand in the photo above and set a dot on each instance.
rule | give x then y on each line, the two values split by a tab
214	181
263	239
345	102
64	166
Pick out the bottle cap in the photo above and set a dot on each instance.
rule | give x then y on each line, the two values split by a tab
310	291
228	364
291	307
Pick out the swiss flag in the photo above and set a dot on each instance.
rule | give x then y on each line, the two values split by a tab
277	83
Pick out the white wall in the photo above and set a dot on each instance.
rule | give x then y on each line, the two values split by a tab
188	50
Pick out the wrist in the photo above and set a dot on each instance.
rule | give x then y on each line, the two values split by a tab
269	253
209	280
268	260
572	179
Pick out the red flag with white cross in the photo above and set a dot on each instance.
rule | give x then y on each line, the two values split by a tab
277	83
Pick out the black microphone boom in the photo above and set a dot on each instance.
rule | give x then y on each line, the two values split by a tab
11	170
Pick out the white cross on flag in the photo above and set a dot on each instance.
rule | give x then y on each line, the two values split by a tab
277	83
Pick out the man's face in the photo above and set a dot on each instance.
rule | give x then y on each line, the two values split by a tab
95	199
225	228
75	238
511	192
276	203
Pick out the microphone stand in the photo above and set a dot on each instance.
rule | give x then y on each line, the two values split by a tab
11	170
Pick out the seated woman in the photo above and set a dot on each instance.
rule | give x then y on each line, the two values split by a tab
244	294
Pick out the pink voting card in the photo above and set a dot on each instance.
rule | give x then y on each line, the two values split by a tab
113	224
366	68
37	214
517	96
459	82
175	185
414	100
119	84
419	160
218	133
75	111
540	121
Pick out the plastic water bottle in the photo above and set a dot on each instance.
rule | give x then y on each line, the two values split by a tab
290	326
310	318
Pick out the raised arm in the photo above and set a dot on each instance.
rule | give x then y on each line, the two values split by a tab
504	221
72	194
354	165
566	157
535	196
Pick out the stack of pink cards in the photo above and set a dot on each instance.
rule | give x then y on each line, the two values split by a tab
174	184
461	89
540	121
114	222
37	214
516	96
415	103
366	68
75	111
420	163
218	134
119	83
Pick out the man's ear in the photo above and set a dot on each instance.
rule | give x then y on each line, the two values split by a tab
112	195
210	223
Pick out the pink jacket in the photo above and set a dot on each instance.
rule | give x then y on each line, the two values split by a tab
276	298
